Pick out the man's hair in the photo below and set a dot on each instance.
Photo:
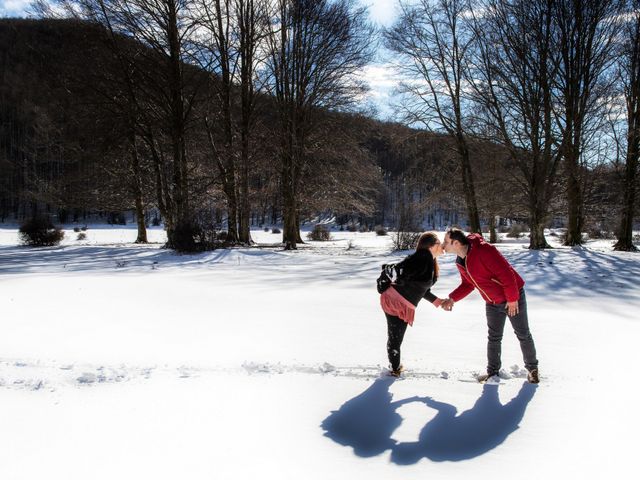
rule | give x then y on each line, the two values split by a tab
457	234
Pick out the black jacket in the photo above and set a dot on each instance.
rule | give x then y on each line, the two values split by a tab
416	276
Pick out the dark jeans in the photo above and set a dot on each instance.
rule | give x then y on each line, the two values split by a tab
496	318
395	333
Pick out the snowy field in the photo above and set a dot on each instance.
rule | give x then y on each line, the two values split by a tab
123	361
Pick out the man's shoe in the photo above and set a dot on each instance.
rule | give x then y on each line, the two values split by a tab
396	372
533	376
486	376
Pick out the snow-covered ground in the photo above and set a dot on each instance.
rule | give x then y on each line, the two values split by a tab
127	361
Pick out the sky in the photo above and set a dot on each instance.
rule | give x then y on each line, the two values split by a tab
380	75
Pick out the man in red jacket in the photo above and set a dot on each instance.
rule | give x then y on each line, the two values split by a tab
483	267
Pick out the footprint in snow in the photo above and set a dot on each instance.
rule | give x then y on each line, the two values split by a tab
87	378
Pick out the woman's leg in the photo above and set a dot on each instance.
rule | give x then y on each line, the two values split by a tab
395	334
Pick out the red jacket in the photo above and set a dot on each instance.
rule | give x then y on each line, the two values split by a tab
488	271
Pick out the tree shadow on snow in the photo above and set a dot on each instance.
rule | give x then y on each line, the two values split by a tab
367	422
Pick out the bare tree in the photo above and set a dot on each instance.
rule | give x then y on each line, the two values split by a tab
584	44
434	49
127	104
629	66
317	48
231	36
164	27
253	19
513	83
118	92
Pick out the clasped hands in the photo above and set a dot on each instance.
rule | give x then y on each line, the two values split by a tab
447	304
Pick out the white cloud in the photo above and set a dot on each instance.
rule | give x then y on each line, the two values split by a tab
382	79
14	7
382	12
381	76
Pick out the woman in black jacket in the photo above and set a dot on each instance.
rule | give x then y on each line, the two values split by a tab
416	274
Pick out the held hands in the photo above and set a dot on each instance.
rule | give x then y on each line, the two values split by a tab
512	308
447	304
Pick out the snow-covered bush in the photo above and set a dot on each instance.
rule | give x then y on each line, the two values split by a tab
380	230
516	230
198	235
320	233
405	240
596	233
40	232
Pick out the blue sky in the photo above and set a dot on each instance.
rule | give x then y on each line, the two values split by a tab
379	75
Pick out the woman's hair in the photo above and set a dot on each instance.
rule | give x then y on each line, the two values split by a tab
426	241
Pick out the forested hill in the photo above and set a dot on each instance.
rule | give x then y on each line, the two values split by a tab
65	143
56	127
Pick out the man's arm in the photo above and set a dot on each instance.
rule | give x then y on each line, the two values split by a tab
502	270
464	289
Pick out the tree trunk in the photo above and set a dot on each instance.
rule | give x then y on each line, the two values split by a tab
493	236
180	182
289	232
575	201
245	206
137	192
625	232
232	205
469	188
142	228
298	237
537	240
289	205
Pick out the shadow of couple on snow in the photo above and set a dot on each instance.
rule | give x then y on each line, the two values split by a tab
367	422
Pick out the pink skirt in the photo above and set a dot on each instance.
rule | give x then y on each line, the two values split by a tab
395	304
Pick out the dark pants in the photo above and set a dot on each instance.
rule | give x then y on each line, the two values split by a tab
496	318
395	334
